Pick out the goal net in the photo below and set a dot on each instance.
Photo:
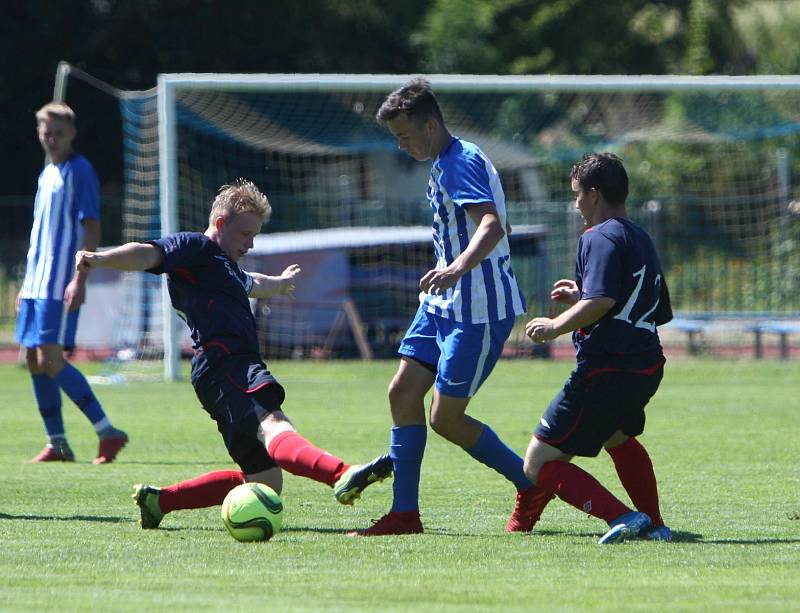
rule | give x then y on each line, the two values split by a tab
711	162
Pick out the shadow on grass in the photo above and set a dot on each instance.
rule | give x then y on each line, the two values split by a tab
130	520
678	536
125	462
92	518
209	463
749	541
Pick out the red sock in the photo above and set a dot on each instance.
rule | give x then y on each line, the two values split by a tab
204	491
577	487
298	456
635	471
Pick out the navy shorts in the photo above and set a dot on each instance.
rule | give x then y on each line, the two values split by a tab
595	404
238	396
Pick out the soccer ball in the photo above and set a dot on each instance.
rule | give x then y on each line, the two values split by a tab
252	512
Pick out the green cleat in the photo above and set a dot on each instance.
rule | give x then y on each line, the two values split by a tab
146	498
358	477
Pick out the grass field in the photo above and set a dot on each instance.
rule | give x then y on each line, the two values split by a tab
724	438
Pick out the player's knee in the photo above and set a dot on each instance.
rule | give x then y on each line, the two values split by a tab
272	477
404	403
531	470
32	360
438	425
49	360
443	424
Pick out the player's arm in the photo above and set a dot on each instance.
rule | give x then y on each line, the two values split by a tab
489	232
265	286
130	256
581	314
75	292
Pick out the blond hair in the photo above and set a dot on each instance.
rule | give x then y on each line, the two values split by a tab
56	110
241	197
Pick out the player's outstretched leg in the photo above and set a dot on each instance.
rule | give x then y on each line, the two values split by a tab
299	456
206	490
112	440
358	477
146	498
628	525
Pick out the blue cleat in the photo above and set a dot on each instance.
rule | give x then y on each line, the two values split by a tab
628	525
658	533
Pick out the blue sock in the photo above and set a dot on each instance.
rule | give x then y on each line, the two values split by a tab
48	399
493	452
407	445
77	388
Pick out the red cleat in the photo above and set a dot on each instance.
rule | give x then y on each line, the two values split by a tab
394	522
528	509
62	453
110	447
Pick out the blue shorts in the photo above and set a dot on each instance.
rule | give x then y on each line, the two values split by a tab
238	395
464	354
46	322
595	404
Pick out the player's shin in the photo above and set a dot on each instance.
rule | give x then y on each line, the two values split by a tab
296	455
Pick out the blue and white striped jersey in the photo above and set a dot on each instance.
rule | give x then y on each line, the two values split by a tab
68	193
462	176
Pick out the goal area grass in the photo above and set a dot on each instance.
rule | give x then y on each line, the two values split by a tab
723	436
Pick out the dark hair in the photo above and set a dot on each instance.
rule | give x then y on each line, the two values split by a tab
415	99
605	173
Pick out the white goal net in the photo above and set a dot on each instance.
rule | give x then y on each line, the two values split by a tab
713	163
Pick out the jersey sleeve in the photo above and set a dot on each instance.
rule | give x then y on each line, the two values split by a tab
180	250
248	281
663	312
601	267
466	180
87	191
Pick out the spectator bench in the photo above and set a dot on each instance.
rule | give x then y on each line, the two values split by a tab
694	326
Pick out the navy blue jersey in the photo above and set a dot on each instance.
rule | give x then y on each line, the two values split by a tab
617	259
210	293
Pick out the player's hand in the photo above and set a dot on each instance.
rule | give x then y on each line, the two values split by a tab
287	280
18	301
437	282
75	295
565	291
83	260
540	330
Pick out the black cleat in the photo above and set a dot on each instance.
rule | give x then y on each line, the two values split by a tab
358	477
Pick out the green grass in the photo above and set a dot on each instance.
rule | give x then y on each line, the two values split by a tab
723	437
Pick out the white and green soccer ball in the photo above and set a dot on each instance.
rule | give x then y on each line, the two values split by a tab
252	512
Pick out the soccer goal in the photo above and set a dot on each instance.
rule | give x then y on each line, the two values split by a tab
713	163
